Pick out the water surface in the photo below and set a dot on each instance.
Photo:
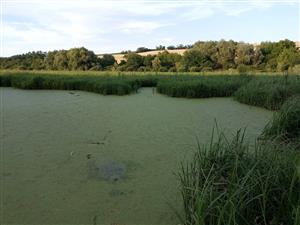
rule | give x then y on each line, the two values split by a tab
82	158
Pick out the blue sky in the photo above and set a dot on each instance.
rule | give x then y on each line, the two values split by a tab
107	26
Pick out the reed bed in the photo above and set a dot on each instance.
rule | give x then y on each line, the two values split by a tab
107	85
268	92
229	72
229	182
202	87
285	123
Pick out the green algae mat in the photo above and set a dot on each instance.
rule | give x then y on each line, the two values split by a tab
72	157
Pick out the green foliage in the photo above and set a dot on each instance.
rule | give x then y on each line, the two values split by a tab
202	56
104	85
281	52
244	54
201	87
288	58
168	60
268	92
226	54
134	61
286	122
29	61
156	64
106	61
229	182
195	58
142	49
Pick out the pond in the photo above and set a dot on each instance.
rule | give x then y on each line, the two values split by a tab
72	157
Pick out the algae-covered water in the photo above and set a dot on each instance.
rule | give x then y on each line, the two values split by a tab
83	158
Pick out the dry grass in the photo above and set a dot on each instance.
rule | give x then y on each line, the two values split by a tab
120	57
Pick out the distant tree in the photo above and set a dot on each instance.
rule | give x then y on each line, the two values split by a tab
210	50
49	60
196	59
226	53
60	61
148	61
258	59
171	47
156	64
81	59
142	49
272	50
107	60
288	58
125	52
134	61
160	47
168	60
244	54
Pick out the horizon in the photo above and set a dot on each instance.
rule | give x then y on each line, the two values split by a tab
114	26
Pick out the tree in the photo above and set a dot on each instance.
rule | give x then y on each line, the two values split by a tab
81	59
148	61
288	58
134	61
107	60
226	53
210	50
160	47
272	50
156	64
196	59
171	47
49	60
142	49
60	61
244	54
168	60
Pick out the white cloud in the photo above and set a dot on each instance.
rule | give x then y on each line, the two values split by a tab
32	24
146	27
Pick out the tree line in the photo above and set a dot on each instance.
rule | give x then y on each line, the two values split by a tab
200	57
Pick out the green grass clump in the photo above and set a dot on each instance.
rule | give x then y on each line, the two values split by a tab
286	122
228	182
268	92
106	85
201	87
